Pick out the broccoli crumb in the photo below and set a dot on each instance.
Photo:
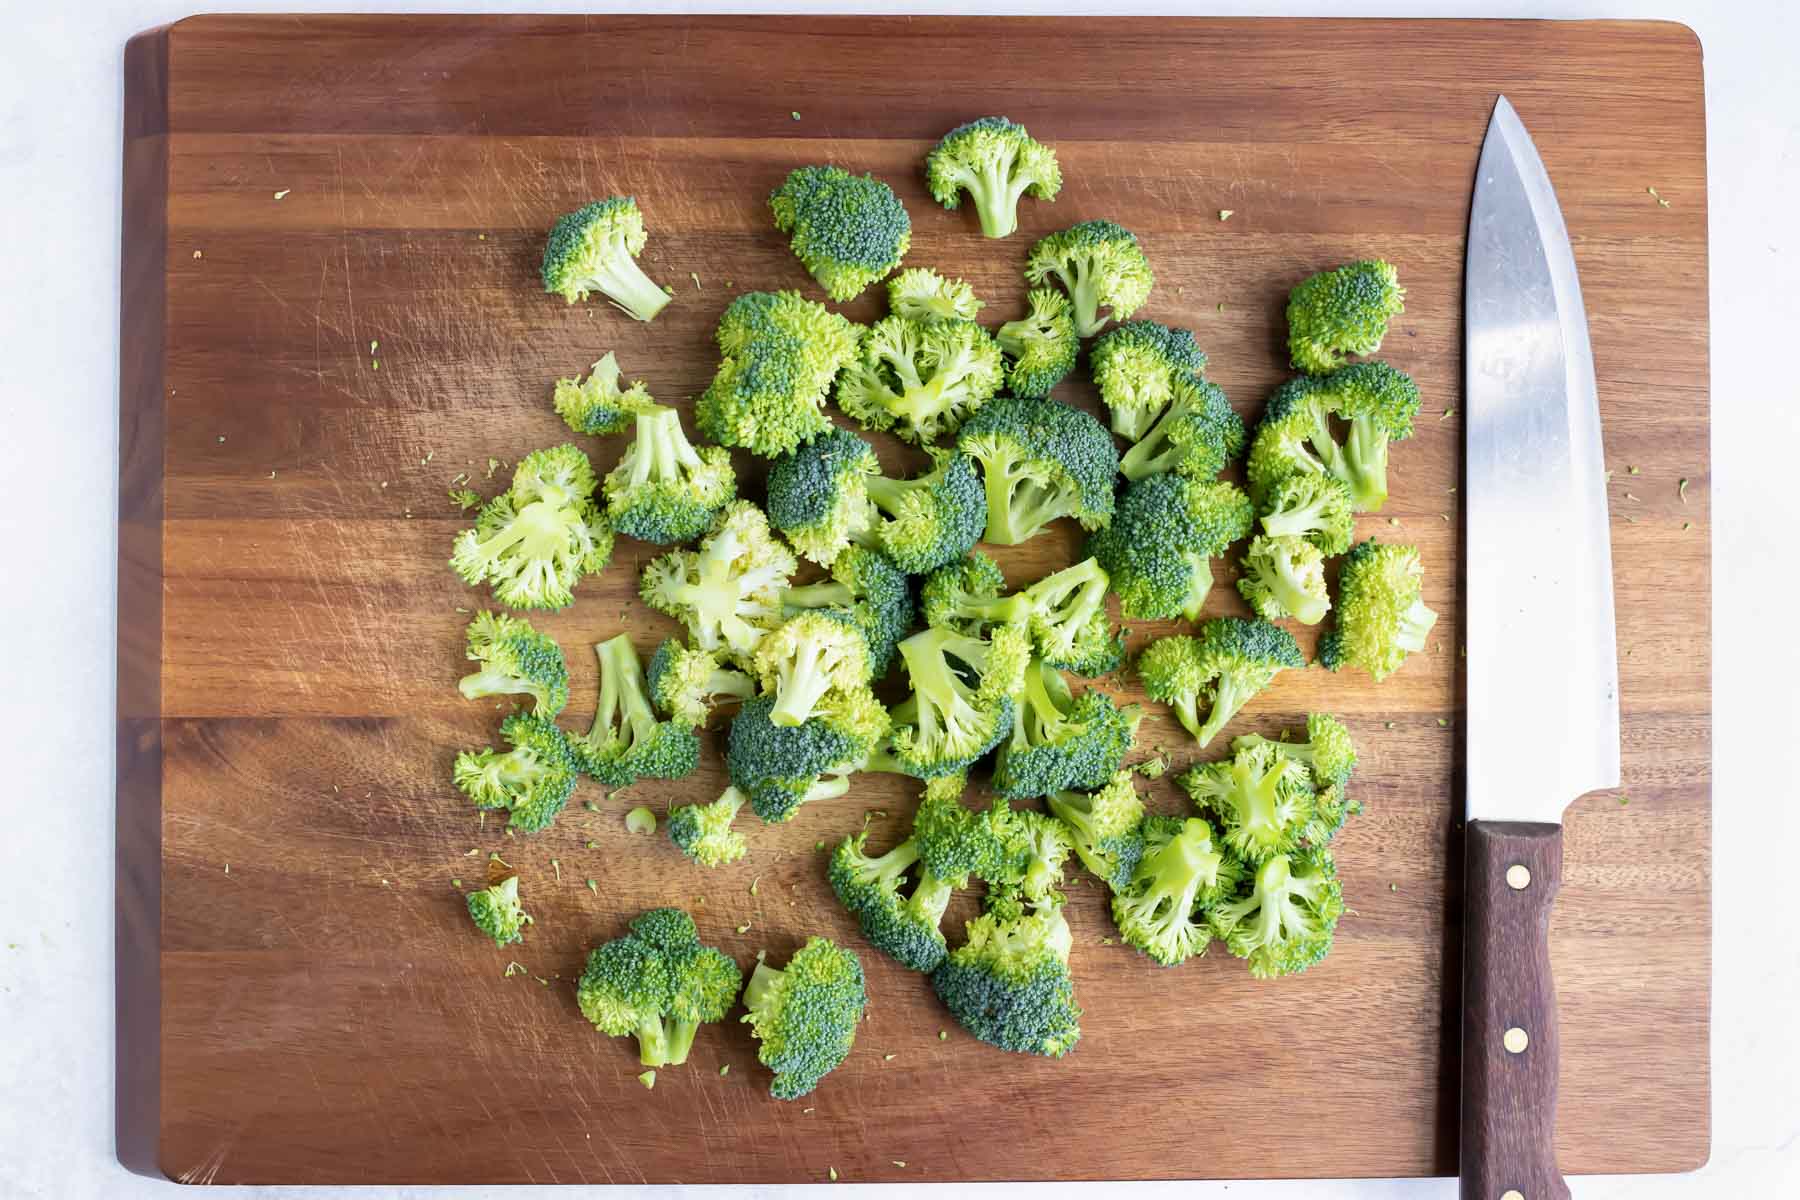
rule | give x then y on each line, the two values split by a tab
513	968
283	193
744	928
1681	490
1442	723
1393	887
900	1162
1624	799
593	887
640	820
648	1079
889	1057
832	1171
943	1036
1657	196
456	883
754	883
1393	520
1225	214
1632	471
1629	496
796	117
695	276
1686	525
819	845
1388	724
1448	413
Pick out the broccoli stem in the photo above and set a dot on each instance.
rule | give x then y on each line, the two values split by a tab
1132	422
653	1043
1230	693
1304	606
825	594
680	1040
1200	581
764	981
1084	298
486	682
1415	624
1151	454
1366	459
799	686
1295	522
996	194
1018	504
930	898
626	285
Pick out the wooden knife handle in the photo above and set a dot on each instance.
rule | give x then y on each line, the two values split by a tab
1509	1038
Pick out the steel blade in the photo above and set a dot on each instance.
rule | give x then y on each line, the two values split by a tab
1543	676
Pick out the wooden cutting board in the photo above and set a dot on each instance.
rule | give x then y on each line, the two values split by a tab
332	230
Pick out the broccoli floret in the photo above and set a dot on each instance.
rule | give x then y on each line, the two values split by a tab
948	722
1136	366
1040	460
1312	506
1101	266
920	379
595	249
703	832
1105	828
1284	577
1039	845
1163	910
804	657
532	781
781	767
1040	347
1068	620
968	595
956	843
497	912
903	926
664	490
686	684
780	354
1231	661
1262	800
1341	312
1198	434
597	405
818	494
996	162
1009	984
1381	615
1330	755
1060	742
533	541
1332	806
805	1015
867	590
658	983
627	742
921	294
930	519
728	591
515	659
1283	922
1295	434
848	230
1157	552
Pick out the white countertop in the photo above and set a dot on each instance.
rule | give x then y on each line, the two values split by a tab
59	220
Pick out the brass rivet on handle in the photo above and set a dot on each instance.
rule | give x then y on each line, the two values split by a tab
1512	1194
1515	1040
1518	878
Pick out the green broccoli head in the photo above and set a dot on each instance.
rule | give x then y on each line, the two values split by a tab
781	767
956	843
869	592
1346	311
497	912
1009	983
1284	577
531	781
1101	266
805	1015
902	925
1199	434
515	659
803	658
597	405
1313	506
1295	436
929	520
1060	742
659	984
1182	873
1381	614
627	742
1284	918
1136	366
1040	347
595	249
780	352
1332	806
1229	662
1158	551
921	379
665	490
1040	460
996	162
685	684
849	231
948	722
1105	828
728	591
1262	800
818	494
703	832
536	539
921	294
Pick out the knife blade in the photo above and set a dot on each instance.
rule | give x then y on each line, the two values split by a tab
1542	669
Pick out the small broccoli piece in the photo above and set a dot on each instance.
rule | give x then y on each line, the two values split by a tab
533	541
1040	460
1332	806
1009	983
1040	347
597	405
1163	910
1157	552
658	983
728	591
1284	921
515	659
1104	828
1039	846
703	832
818	494
1341	312
1330	756
930	519
921	294
627	742
1068	620
1284	577
686	684
780	354
497	912
955	842
1101	265
968	595
532	781
1060	742
664	490
920	379
903	926
948	722
1136	366
595	249
805	1015
1381	615
1295	434
781	767
1262	800
867	590
1198	434
806	656
849	231
996	162
1230	662
1313	506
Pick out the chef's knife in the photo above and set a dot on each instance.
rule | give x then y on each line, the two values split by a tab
1542	673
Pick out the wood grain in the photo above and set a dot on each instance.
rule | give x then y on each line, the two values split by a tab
289	636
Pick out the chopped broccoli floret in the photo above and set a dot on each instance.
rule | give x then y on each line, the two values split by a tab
595	249
1327	751
871	593
1295	434
1198	434
780	353
1040	460
805	1015
1284	920
956	843
968	595
1060	742
1284	577
781	767
818	494
532	781
848	230
664	490
1262	800
1065	612
949	722
1313	506
1038	846
1157	552
1181	874
921	294
1381	615
1229	662
1136	366
1009	983
996	162
703	832
686	683
1040	347
806	656
515	659
930	519
497	912
597	405
1105	828
920	379
728	591
903	926
658	983
627	742
1341	312
533	541
1101	265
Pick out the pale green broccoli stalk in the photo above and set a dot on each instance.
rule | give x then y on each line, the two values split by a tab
1198	434
867	590
627	742
515	659
1060	742
780	354
1040	460
1295	435
1038	845
595	249
803	658
1158	551
1313	506
727	592
1100	265
929	520
818	494
996	162
533	541
1284	921
948	722
920	379
1105	828
1346	311
1009	983
804	1015
1136	367
597	405
849	231
1262	800
921	294
1381	614
665	490
1040	347
687	684
1181	875
497	912
659	984
1284	577
703	832
531	782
